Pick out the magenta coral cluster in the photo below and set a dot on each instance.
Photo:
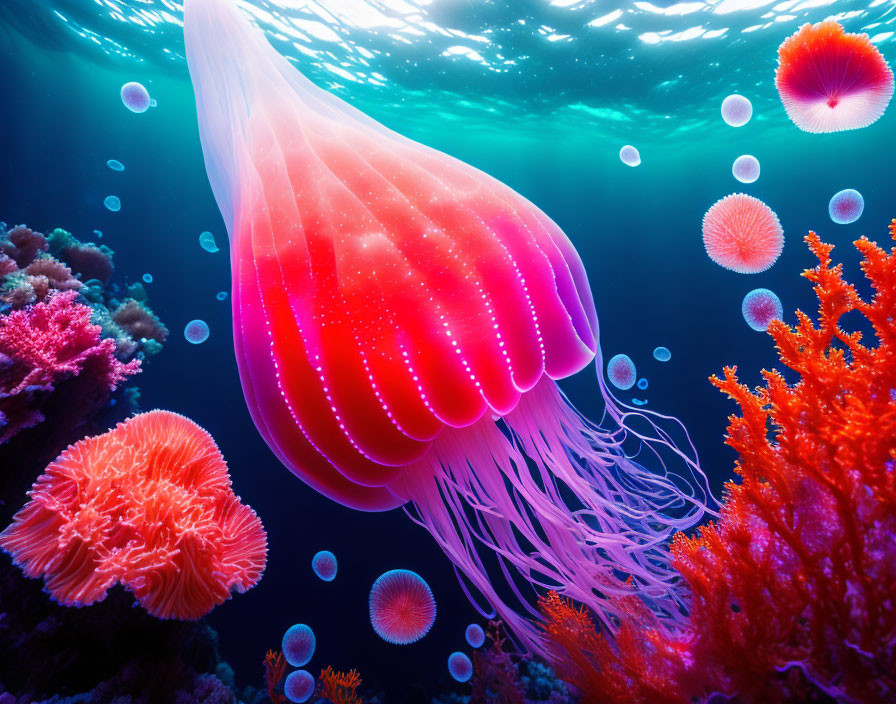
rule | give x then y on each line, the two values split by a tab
46	344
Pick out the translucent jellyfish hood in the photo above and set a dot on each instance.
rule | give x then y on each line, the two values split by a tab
390	302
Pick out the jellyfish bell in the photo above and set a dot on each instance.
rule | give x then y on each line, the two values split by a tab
400	320
830	80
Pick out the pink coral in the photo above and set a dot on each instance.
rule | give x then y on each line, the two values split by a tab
44	345
148	504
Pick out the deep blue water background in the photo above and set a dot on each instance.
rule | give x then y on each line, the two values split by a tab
637	230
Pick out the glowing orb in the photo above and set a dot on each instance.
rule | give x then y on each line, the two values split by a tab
112	203
299	686
475	635
460	667
736	110
662	354
298	645
761	307
846	206
746	168
207	242
743	234
135	97
115	165
324	565
196	331
621	372
629	155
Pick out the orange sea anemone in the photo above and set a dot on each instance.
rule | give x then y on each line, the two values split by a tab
148	504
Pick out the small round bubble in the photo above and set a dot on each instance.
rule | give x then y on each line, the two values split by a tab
298	645
112	203
299	686
621	372
662	354
460	667
152	102
147	278
196	331
135	97
736	110
846	206
222	295
207	242
746	168
642	384
115	165
475	635
324	565
629	155
760	308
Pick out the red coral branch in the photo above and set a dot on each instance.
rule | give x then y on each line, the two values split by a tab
274	670
791	590
339	687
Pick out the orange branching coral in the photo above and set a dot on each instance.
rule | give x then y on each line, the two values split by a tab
792	589
339	687
274	669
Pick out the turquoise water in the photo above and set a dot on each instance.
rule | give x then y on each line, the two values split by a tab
542	96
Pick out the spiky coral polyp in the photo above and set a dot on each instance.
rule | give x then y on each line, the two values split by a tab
792	589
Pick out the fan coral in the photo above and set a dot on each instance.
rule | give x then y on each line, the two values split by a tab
339	687
791	589
45	345
147	504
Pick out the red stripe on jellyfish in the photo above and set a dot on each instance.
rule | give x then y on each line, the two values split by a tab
830	80
400	318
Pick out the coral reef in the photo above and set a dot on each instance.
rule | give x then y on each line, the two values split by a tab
47	344
791	590
339	687
148	504
120	655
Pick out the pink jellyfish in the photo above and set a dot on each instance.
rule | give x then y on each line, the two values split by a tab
399	320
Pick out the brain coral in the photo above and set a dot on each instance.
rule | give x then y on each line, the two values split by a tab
148	504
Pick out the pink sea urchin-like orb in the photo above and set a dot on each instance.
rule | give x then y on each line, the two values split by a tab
402	608
830	80
736	110
746	168
135	97
846	206
760	308
743	234
630	155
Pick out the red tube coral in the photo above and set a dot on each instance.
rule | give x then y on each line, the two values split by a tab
791	590
147	504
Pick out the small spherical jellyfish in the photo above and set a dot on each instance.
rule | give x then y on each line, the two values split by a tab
196	331
135	97
298	645
222	295
324	565
402	607
621	372
761	307
147	278
115	165
299	686
112	203
152	102
629	155
642	384
743	234
830	80
746	168
460	667
662	354
207	242
475	635
736	110
846	206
